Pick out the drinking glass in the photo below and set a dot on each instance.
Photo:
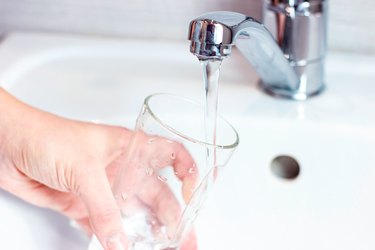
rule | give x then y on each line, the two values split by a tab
167	172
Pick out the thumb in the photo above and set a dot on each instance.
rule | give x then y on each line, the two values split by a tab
104	214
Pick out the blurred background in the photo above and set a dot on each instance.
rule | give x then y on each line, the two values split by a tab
350	22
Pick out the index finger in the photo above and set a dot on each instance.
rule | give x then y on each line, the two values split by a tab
162	152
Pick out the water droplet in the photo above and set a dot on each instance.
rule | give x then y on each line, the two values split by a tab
173	155
124	196
191	170
162	178
151	140
176	173
149	171
169	141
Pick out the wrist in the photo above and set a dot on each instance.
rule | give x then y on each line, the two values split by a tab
16	124
9	110
4	119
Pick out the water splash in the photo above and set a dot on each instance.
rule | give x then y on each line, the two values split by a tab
151	140
168	141
124	196
149	171
191	170
173	155
162	178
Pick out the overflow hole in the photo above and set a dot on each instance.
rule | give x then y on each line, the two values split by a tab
285	167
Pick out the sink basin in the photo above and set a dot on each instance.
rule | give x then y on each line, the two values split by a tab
329	205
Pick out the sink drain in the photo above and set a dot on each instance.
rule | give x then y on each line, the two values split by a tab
285	167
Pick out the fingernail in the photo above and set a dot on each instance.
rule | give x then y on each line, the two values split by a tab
117	242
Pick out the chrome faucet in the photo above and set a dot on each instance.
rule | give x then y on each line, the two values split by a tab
289	61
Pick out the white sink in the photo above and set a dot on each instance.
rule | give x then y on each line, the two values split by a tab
330	205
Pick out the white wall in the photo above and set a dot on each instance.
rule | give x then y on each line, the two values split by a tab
350	26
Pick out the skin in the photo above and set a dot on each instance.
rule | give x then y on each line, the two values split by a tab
69	166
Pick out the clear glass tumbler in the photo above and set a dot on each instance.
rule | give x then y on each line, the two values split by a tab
166	174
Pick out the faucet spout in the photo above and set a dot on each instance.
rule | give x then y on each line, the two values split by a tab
213	35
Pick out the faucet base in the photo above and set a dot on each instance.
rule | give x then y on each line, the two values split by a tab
310	82
290	95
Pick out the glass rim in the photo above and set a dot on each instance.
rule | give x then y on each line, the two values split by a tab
186	137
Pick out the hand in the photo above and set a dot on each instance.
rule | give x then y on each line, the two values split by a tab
64	165
151	169
61	164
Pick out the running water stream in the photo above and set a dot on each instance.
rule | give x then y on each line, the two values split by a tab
211	71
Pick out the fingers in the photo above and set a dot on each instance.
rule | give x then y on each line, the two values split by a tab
144	187
85	225
159	152
153	185
158	197
184	167
104	214
116	141
189	242
187	170
40	195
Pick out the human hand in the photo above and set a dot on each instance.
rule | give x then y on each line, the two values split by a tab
61	164
64	165
148	193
